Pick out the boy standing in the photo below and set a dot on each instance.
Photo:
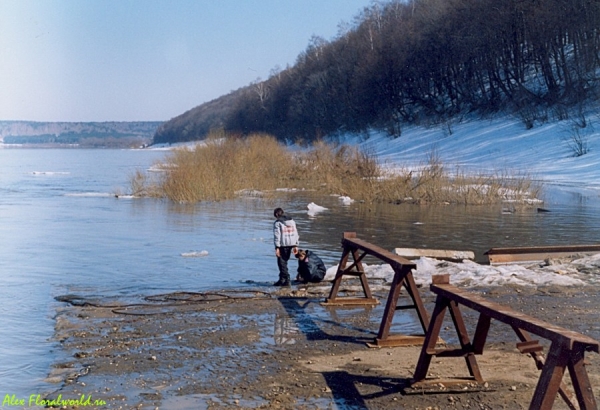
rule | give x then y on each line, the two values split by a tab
286	238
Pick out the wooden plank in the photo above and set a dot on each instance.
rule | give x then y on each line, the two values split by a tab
448	255
350	301
436	382
398	340
378	252
558	248
530	346
537	253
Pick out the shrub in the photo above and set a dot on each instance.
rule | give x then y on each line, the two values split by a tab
222	166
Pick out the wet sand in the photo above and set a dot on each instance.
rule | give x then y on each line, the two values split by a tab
280	348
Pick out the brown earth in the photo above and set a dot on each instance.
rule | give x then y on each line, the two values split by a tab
269	348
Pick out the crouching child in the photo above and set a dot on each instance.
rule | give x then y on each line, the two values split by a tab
310	267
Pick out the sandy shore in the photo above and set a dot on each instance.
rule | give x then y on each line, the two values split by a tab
272	348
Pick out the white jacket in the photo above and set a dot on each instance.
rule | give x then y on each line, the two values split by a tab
285	232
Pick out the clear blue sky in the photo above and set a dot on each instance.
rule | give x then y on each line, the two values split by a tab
147	60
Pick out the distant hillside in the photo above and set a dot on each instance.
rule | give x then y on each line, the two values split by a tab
196	123
80	134
420	62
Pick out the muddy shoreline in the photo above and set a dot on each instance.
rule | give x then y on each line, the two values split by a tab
280	348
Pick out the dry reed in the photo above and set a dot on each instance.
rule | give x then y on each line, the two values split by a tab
222	166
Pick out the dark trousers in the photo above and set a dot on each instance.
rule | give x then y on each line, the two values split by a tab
285	252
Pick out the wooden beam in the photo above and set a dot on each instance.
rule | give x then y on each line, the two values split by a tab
537	253
448	255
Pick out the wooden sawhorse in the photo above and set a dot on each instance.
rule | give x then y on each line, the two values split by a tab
567	347
402	277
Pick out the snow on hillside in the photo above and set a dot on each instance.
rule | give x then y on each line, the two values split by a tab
497	146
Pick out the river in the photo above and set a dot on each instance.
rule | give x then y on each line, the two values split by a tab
63	231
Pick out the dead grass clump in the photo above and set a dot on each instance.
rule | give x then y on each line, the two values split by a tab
142	186
343	170
432	184
222	166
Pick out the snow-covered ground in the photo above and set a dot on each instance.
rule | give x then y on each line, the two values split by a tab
499	145
578	272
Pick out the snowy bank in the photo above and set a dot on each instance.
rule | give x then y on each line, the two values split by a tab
578	272
495	146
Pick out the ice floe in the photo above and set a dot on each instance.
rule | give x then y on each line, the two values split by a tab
346	200
195	254
314	209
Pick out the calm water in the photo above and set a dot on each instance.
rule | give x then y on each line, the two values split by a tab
63	232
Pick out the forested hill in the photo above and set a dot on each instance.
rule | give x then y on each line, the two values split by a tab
81	134
418	62
196	123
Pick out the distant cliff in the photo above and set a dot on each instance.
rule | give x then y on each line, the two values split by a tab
80	134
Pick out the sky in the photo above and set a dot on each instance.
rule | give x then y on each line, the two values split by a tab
148	60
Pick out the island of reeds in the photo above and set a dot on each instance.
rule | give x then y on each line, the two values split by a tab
224	167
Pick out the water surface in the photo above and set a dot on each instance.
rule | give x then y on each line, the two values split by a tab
63	231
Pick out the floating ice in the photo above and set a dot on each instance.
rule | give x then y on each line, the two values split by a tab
314	209
346	200
249	193
160	167
90	194
195	254
50	173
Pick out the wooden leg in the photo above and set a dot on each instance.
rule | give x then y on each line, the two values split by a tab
390	306
481	332
363	276
339	274
413	292
431	337
356	270
550	379
540	361
465	342
581	382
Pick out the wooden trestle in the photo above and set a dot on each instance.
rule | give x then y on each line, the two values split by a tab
566	351
402	277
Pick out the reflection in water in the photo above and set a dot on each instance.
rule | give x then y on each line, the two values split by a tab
286	330
308	320
296	323
339	314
